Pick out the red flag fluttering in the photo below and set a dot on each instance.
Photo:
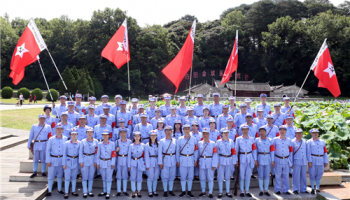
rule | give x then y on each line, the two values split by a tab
28	47
232	63
177	69
325	72
117	49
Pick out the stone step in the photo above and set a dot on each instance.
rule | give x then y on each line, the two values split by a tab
26	166
11	142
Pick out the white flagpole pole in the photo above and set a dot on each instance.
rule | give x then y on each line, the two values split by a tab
70	97
189	88
47	85
127	56
235	81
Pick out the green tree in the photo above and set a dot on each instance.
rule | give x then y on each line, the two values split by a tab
69	80
83	84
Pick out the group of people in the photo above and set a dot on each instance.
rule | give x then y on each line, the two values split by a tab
202	142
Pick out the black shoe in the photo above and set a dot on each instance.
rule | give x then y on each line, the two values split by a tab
107	196
215	178
165	194
242	195
60	192
229	195
171	193
155	194
267	194
220	195
91	194
139	195
261	193
288	193
144	176
296	192
97	176
278	193
248	194
150	194
33	175
75	194
102	194
84	195
190	194
182	194
306	192
66	196
232	178
253	176
177	178
290	175
44	174
273	176
202	194
118	194
318	191
196	178
313	191
48	194
133	195
126	194
211	196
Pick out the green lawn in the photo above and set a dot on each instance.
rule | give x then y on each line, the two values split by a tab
14	101
20	119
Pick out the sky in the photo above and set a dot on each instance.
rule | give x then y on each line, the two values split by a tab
146	12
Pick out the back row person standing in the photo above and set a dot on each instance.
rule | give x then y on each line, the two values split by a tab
123	114
166	108
79	108
198	108
240	116
116	107
265	107
250	110
73	116
215	108
92	101
158	117
222	118
110	117
91	117
152	108
99	108
172	117
144	128
134	110
50	120
182	109
190	117
233	110
62	108
137	118
205	119
278	117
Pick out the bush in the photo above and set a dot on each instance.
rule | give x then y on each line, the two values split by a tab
38	93
7	92
24	91
54	95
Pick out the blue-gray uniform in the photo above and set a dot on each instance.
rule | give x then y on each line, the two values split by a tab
81	130
98	130
151	112
51	121
208	158
99	108
266	155
198	135
291	131
92	120
81	108
137	164
233	135
167	158
134	111
71	161
285	108
198	110
283	160
221	121
114	109
154	121
122	163
160	134
110	119
59	110
253	130
67	127
240	118
126	116
232	111
299	164
54	155
214	135
189	120
186	155
215	109
278	119
39	148
265	107
153	170
144	129
182	111
73	117
204	122
246	150
171	119
87	109
272	131
227	158
116	135
165	109
106	155
260	121
87	156
317	154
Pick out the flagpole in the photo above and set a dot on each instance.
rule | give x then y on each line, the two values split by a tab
42	71
235	81
189	88
70	97
301	87
127	56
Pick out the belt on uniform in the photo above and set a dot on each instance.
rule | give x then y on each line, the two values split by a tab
226	156
40	140
147	138
73	156
56	156
104	159
281	157
88	154
168	154
317	155
123	155
153	156
245	153
206	156
187	155
263	153
136	158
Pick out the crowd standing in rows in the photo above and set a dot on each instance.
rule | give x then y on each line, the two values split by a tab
174	142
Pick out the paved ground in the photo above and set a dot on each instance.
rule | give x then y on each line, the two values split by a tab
13	107
9	164
342	192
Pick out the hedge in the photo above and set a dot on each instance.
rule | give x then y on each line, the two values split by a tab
39	94
24	91
7	92
54	95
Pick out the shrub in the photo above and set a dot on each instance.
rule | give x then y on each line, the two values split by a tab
7	92
24	91
38	93
54	95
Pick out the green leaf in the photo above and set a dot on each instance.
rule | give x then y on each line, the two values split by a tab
342	135
319	123
330	135
344	161
328	125
308	112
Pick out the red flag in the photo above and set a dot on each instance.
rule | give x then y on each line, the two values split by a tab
232	62
325	72
28	47
117	49
176	70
